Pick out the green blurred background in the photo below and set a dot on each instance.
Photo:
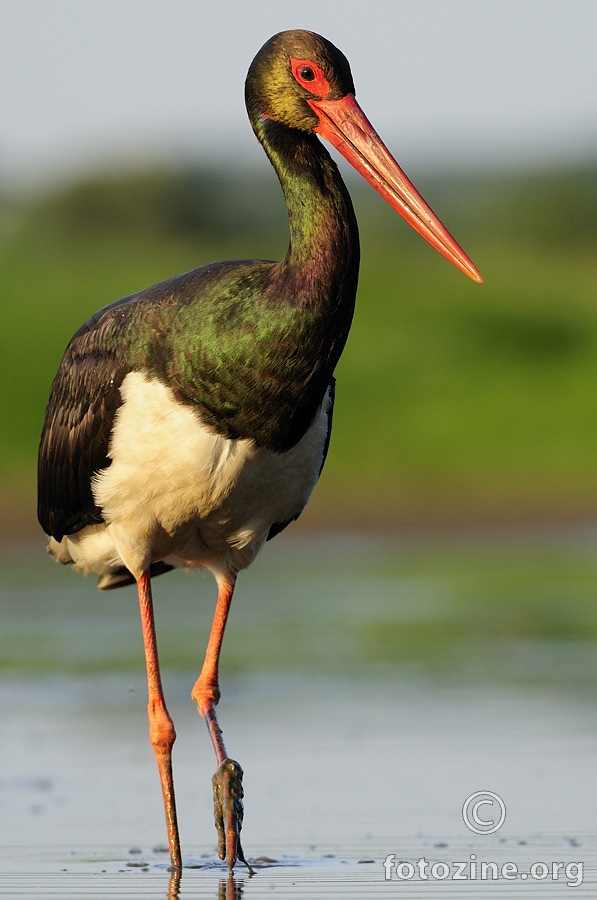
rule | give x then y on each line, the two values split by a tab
456	402
464	413
126	157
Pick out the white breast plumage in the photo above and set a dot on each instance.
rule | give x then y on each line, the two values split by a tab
179	492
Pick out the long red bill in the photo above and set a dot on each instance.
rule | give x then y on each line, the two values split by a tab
344	124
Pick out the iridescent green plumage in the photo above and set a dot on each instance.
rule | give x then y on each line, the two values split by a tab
250	345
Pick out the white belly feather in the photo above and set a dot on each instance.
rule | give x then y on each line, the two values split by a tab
179	492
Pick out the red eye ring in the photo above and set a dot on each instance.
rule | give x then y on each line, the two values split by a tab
310	77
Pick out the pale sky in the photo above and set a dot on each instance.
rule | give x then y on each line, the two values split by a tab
86	83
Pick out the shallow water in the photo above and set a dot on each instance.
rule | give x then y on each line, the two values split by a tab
350	753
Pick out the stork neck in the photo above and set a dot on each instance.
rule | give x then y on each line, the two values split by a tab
323	252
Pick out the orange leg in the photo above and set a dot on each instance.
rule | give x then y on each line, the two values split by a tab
161	727
227	781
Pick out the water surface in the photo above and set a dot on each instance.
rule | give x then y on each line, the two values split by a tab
368	688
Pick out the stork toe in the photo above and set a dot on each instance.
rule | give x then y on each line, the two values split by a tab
228	811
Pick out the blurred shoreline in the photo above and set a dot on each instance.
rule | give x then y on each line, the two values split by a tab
382	514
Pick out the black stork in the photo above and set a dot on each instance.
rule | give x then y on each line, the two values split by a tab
189	423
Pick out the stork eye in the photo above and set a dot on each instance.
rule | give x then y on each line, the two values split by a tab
310	77
307	73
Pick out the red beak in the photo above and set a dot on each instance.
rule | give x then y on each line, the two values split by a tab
344	124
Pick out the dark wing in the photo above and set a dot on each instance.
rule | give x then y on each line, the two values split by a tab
75	439
277	527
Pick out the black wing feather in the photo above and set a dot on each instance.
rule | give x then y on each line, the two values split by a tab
76	434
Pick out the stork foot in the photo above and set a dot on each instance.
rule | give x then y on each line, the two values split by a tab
228	812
